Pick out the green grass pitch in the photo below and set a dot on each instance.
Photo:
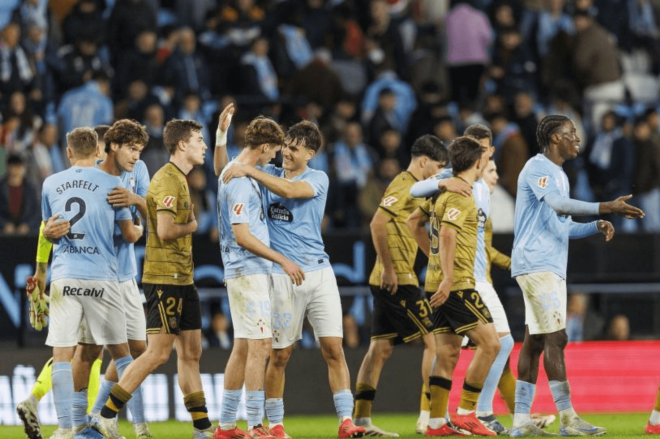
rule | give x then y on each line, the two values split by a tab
618	426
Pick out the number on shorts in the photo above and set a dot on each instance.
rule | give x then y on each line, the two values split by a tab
171	302
82	208
477	300
424	308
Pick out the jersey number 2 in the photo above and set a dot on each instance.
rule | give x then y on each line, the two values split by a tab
82	208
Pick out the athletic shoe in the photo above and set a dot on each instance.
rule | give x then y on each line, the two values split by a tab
27	411
259	432
349	429
529	429
542	421
107	427
207	433
372	430
142	431
278	432
472	424
652	429
578	427
87	433
234	433
447	429
422	422
62	433
491	422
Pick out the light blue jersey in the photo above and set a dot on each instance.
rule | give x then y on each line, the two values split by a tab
240	202
540	234
137	181
80	196
295	224
481	195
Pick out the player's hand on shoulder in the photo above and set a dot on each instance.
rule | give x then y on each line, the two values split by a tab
620	207
456	186
607	229
293	271
236	170
56	228
120	197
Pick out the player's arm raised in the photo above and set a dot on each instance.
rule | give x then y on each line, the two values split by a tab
416	222
220	157
246	240
388	279
277	185
168	230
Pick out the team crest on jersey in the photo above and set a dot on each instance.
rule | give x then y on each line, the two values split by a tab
168	201
238	208
452	214
481	217
261	324
173	322
543	182
388	201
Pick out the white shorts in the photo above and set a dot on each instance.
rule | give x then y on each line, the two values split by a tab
545	302
317	298
136	323
98	305
249	304
492	301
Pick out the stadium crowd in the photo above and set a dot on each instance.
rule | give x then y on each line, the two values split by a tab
374	74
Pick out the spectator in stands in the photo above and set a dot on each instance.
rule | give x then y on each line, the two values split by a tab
186	68
582	323
317	22
128	18
169	39
432	105
305	82
259	76
77	63
19	203
511	150
372	192
468	36
139	62
220	335
137	98
444	129
24	126
46	158
526	119
155	154
646	175
343	112
204	204
244	19
557	73
540	27
405	99
514	67
16	74
385	33
596	64
619	328
384	117
86	18
291	50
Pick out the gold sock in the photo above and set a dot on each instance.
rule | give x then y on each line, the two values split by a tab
94	383
440	388
44	381
470	395
364	397
424	401
507	386
196	405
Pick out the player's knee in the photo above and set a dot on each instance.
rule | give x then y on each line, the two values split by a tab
280	357
492	347
558	339
536	343
381	351
137	348
333	353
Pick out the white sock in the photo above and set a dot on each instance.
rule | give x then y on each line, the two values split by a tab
436	423
424	416
483	414
520	419
655	417
463	412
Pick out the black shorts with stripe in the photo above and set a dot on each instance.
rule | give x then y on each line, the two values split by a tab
173	307
462	312
401	317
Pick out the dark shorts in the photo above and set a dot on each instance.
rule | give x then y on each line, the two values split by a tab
462	312
173	307
402	317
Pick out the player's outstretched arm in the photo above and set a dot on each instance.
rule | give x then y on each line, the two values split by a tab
220	157
416	222
440	183
277	185
620	207
246	240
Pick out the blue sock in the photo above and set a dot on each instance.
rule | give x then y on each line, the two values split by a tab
79	408
254	403
103	395
275	411
121	364
230	401
485	403
63	393
524	397
343	403
561	392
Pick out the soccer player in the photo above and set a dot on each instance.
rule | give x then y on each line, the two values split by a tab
653	425
78	292
542	228
247	259
401	315
294	200
174	314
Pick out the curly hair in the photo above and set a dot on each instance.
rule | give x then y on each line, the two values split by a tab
126	132
178	130
263	130
547	127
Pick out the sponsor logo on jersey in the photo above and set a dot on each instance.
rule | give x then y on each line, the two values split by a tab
278	212
238	208
73	291
389	201
168	201
452	214
481	217
80	250
543	182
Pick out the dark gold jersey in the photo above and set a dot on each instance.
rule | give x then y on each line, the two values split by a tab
461	214
168	262
398	204
494	256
